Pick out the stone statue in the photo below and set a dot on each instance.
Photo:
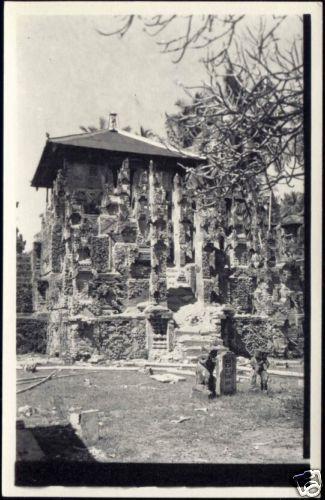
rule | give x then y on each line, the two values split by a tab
204	371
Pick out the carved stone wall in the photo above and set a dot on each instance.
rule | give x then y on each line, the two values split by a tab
111	230
101	238
120	337
241	288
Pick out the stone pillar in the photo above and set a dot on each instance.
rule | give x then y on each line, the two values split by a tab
59	192
56	243
225	373
158	237
124	191
204	253
179	233
72	341
141	207
198	256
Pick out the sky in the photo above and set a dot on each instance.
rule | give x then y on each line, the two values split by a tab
68	75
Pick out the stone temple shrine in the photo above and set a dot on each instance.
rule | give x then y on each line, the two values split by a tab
130	263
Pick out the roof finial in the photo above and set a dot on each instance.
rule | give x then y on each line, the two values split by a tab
112	122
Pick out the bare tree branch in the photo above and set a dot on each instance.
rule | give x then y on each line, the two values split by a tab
247	117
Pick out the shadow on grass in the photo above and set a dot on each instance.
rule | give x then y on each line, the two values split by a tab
68	463
60	442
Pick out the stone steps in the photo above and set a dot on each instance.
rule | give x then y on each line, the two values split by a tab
159	346
192	350
193	341
190	340
192	332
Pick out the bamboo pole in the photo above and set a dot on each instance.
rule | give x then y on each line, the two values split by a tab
37	383
22	380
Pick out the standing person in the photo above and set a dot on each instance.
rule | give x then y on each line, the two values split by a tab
260	364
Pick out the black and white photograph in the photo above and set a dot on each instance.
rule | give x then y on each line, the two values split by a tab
162	256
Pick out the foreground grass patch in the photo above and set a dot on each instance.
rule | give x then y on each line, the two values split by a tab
138	414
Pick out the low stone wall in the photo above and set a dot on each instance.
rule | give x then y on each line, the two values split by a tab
244	333
30	335
122	338
119	337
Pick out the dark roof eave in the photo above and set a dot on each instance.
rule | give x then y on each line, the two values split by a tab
39	179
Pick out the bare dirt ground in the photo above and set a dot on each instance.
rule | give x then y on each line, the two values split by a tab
138	414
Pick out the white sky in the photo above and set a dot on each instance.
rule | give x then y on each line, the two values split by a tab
68	75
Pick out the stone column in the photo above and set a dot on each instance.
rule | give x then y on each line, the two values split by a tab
225	373
124	191
157	314
72	341
158	237
198	255
204	253
56	244
59	192
141	207
177	216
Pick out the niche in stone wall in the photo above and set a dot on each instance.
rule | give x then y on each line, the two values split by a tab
291	277
42	288
92	204
38	249
189	241
159	325
92	207
239	228
90	200
75	218
141	267
143	202
112	208
129	234
220	261
143	224
82	282
241	254
290	229
159	249
228	202
160	224
171	245
83	254
215	298
86	341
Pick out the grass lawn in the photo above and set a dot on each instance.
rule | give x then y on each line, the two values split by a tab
136	415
